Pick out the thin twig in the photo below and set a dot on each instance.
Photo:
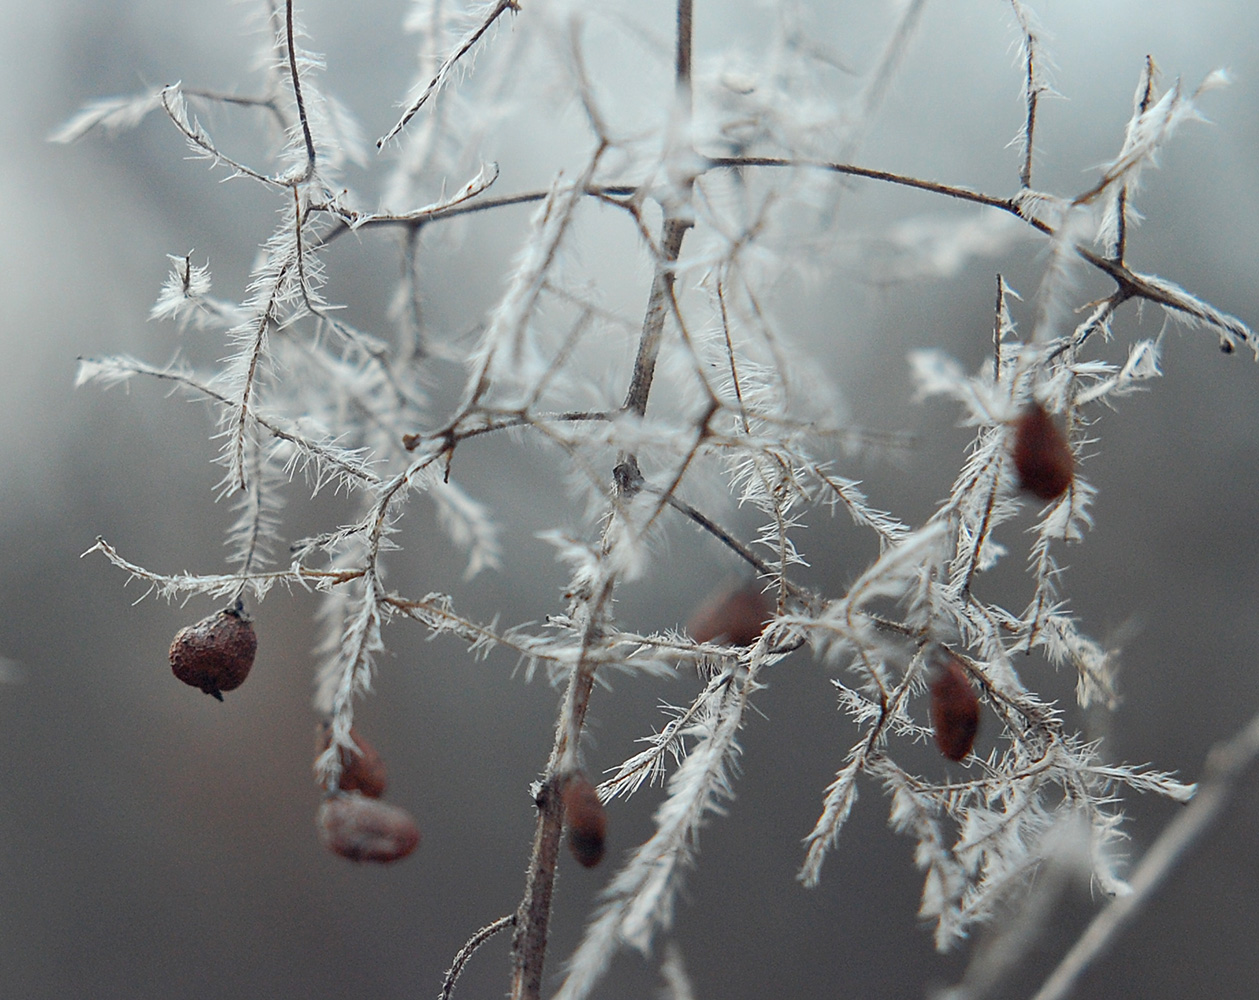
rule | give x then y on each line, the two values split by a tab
880	79
202	142
467	951
653	321
297	92
1031	91
673	231
1121	236
463	48
534	916
1131	284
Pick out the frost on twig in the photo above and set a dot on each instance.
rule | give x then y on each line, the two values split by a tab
444	70
668	414
639	900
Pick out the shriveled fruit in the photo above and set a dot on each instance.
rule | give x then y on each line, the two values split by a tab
737	615
363	829
1042	456
954	704
363	771
586	818
216	653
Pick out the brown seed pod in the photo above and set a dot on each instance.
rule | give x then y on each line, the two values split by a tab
1042	456
363	829
737	615
216	653
586	818
360	772
954	704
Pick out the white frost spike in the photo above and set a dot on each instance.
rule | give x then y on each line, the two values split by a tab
1147	132
836	807
110	115
468	524
353	640
892	574
1142	365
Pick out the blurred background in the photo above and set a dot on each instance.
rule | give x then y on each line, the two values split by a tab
154	843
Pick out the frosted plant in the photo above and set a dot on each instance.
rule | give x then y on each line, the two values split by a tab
729	180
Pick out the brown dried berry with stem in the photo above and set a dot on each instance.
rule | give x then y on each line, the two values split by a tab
586	818
954	704
216	653
736	615
362	771
1042	456
363	829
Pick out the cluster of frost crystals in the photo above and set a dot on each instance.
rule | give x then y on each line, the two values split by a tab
668	414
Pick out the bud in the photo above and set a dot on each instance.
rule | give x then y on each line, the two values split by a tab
363	829
216	653
736	615
586	818
362	771
954	704
1042	456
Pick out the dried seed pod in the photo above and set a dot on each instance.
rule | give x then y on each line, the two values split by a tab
737	615
1042	456
215	654
363	771
586	818
954	704
363	829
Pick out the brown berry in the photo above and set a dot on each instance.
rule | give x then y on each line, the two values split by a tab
954	704
216	653
363	771
363	829
586	818
736	615
1042	456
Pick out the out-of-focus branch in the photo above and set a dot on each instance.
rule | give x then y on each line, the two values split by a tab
676	223
1227	764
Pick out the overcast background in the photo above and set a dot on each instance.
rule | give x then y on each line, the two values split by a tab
154	843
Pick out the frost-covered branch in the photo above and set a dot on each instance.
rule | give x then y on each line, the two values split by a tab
657	389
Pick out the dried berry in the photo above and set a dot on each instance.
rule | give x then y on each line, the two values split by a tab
216	653
363	771
586	818
954	704
363	829
1042	456
737	615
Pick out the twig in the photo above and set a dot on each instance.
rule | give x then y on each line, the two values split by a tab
673	232
1131	284
653	321
881	76
297	92
533	917
443	71
1032	90
1143	105
467	951
202	142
